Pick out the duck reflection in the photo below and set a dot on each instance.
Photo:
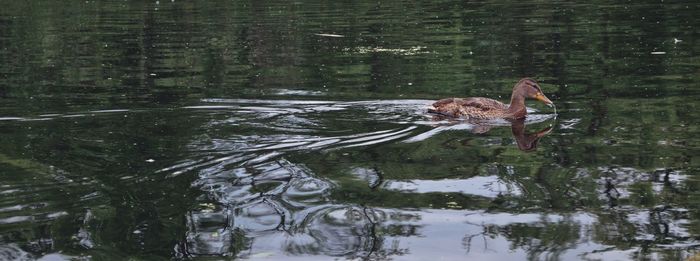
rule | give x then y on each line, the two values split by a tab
525	141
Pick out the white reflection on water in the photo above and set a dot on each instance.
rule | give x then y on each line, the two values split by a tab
484	186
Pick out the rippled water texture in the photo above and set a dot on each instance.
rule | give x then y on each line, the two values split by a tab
164	130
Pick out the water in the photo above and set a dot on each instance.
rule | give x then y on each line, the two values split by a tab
297	130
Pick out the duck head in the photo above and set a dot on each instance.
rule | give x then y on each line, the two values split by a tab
529	88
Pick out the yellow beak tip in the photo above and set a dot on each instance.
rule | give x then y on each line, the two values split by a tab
544	99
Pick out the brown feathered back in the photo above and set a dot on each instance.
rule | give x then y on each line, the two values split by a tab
480	108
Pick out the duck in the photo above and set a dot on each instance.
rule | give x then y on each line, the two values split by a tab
486	108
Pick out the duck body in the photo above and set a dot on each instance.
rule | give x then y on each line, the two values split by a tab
485	108
473	107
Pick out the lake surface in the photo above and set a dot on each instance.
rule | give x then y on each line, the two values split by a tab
159	130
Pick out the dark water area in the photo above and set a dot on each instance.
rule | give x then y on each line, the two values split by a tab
162	130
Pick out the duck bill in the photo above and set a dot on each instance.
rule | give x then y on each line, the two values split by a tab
544	99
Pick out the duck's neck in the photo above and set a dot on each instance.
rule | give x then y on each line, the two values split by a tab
517	127
517	105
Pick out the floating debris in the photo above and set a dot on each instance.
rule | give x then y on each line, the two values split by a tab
398	51
330	35
453	204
